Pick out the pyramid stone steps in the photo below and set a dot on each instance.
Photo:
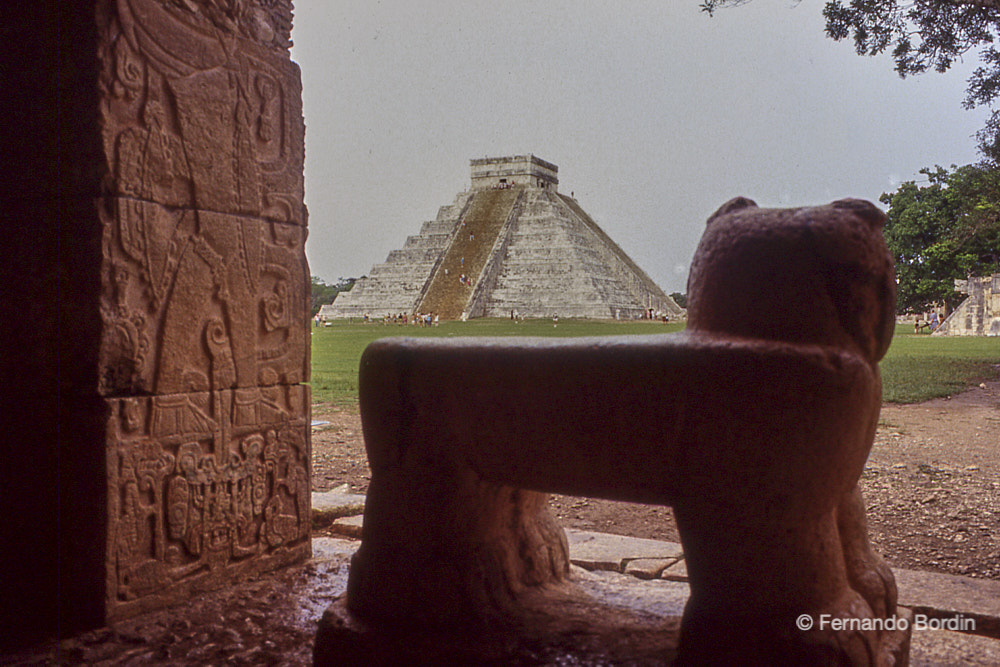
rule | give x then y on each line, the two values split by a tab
555	256
468	253
639	282
531	250
396	285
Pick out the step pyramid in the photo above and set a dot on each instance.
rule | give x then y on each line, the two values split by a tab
511	244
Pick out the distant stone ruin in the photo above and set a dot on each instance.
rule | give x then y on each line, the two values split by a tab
511	244
979	314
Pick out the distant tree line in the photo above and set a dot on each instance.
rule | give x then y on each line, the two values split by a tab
324	293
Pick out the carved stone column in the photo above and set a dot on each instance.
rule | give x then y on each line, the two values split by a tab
156	329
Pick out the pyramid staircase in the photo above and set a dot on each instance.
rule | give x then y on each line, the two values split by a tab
471	248
510	244
559	262
398	284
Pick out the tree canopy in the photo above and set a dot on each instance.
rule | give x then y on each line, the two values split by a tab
947	229
923	35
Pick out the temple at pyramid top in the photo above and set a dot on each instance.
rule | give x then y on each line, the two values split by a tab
509	245
528	170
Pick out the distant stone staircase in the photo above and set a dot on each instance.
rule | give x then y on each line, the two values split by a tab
468	254
523	247
635	281
398	284
559	262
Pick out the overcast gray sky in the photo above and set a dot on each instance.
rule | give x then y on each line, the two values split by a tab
655	113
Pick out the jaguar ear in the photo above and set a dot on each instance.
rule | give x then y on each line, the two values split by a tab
734	204
865	210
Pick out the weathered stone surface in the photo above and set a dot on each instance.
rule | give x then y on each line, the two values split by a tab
754	428
523	247
676	571
158	328
332	548
647	568
201	106
979	314
351	526
204	488
602	551
398	284
661	598
563	626
938	596
200	301
330	505
935	648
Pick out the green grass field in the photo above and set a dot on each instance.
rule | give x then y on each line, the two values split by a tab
917	367
920	367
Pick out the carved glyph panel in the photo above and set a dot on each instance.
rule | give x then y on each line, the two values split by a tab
200	301
202	486
202	106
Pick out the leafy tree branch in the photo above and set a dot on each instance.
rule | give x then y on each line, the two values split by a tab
922	35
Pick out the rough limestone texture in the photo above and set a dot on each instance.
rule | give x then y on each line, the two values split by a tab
165	287
522	247
979	314
755	430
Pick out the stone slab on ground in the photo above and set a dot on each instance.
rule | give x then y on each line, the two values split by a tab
676	572
648	568
944	596
937	648
333	548
327	506
602	551
349	526
661	598
560	625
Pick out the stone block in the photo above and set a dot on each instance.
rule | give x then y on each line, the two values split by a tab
331	505
202	109
603	551
350	526
943	596
203	488
677	571
934	648
154	317
332	548
647	568
200	301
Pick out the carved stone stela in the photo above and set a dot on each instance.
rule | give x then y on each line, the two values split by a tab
199	301
204	344
203	484
201	106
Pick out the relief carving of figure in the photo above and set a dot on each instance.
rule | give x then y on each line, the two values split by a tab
199	301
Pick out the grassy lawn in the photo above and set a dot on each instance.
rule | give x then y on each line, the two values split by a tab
917	367
337	349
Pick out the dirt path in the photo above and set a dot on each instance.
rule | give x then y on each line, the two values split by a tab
932	484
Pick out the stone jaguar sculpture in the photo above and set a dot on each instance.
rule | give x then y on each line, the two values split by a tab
754	424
